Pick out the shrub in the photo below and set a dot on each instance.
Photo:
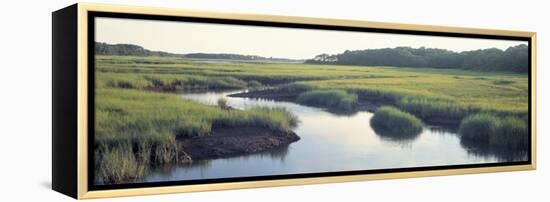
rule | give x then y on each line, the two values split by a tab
393	122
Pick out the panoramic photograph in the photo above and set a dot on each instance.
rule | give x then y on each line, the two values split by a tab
180	101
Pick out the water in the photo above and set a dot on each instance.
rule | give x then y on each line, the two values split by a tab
329	142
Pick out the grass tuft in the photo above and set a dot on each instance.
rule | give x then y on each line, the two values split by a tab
478	127
118	165
335	99
393	122
503	132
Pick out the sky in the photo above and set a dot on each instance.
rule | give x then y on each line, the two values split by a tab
292	43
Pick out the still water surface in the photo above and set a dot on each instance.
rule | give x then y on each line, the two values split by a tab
329	142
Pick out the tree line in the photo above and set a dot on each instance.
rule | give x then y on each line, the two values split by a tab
135	50
129	50
513	59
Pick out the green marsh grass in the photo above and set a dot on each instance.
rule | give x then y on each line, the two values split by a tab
501	132
511	133
273	118
119	116
118	165
133	106
148	123
337	99
426	93
436	94
166	82
479	127
390	121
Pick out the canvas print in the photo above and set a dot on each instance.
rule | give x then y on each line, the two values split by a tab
184	100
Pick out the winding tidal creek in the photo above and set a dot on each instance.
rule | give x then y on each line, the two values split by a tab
329	143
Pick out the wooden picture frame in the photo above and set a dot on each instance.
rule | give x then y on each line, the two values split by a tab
75	87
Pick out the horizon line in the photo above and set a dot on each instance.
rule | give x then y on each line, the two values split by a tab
257	55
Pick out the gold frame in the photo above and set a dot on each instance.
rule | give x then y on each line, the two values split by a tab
82	153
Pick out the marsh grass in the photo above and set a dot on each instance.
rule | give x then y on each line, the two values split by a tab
436	96
390	121
135	114
336	99
118	165
253	84
425	92
479	127
273	118
503	82
265	74
165	82
511	133
144	133
501	132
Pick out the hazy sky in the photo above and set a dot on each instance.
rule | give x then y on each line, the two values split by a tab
184	37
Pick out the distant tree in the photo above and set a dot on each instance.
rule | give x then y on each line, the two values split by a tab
134	50
128	49
513	59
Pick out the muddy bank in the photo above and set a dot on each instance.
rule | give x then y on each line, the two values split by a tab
370	104
229	142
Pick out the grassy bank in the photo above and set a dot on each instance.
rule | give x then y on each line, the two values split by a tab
138	129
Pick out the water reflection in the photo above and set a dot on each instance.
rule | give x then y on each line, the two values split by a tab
204	169
443	130
166	170
278	153
402	137
487	151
